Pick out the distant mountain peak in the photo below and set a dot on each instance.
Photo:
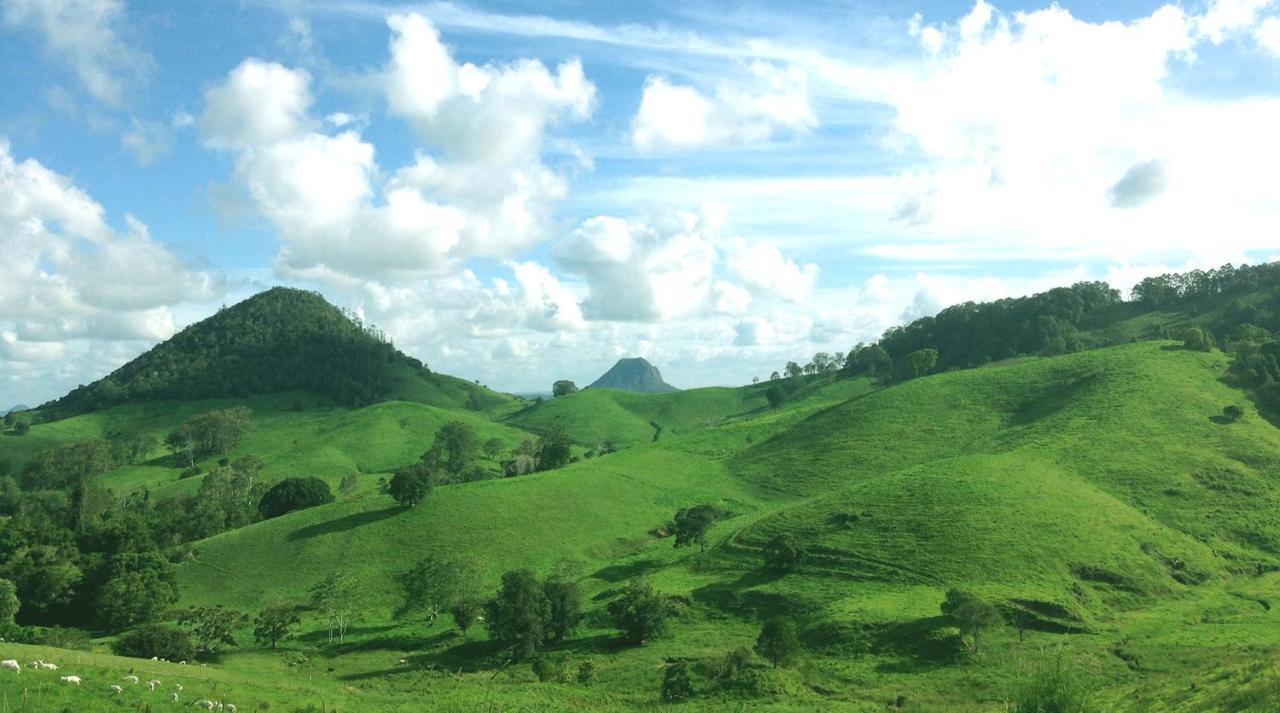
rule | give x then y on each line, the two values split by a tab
634	374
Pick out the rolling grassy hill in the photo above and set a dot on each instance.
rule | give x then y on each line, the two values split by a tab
1098	498
1136	552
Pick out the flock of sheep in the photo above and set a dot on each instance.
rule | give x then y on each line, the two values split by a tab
114	689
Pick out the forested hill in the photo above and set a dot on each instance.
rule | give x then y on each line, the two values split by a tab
1234	308
279	340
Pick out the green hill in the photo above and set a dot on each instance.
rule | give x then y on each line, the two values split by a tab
1016	482
279	340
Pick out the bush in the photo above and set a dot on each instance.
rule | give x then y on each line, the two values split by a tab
64	638
783	553
293	494
158	640
191	472
550	669
22	428
778	642
676	685
587	673
1052	688
641	613
1232	413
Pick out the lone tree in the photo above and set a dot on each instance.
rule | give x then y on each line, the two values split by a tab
970	613
564	601
563	387
337	598
778	642
293	494
641	613
454	450
783	553
212	627
1232	413
1196	339
917	364
518	615
440	584
274	623
410	485
553	449
691	525
776	396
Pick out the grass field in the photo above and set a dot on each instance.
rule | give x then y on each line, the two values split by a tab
1098	498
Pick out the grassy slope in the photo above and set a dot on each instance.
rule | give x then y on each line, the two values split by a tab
1075	484
594	416
323	440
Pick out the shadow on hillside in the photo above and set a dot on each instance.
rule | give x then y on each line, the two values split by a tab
342	524
737	597
615	573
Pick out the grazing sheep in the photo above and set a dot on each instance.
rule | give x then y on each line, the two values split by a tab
115	689
182	663
153	658
48	666
70	679
173	697
178	686
204	703
12	665
35	664
152	684
230	708
131	679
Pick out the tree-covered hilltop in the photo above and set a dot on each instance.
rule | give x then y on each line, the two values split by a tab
279	340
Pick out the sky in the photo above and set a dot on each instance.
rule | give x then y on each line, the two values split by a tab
518	192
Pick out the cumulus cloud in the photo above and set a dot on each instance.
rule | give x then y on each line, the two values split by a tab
478	186
84	34
68	275
643	271
769	101
260	103
1030	128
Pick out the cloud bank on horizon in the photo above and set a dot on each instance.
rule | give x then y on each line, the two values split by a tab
517	198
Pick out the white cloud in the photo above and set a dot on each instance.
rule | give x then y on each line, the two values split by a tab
651	271
1224	18
68	276
85	34
478	188
770	100
765	271
260	103
1267	35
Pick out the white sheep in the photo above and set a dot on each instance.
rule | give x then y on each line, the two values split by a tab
152	684
35	664
12	665
182	663
154	658
173	697
204	703
48	666
70	679
178	686
131	679
230	708
115	689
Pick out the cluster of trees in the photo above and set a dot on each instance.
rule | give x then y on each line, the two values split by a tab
211	433
1170	289
280	340
77	555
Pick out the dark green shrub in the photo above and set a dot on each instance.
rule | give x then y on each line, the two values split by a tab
676	685
293	494
158	640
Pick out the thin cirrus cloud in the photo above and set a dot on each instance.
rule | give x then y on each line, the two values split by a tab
86	36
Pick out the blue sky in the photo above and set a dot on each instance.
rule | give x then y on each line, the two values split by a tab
518	192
